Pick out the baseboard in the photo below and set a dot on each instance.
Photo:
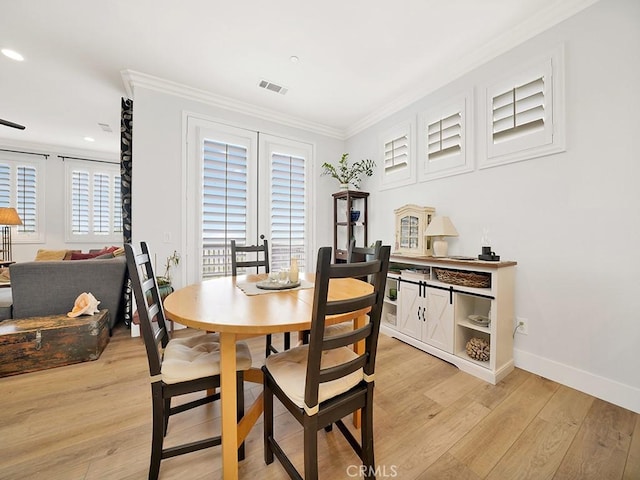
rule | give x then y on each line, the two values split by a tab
611	391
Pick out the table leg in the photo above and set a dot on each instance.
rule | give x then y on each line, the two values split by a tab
228	405
358	322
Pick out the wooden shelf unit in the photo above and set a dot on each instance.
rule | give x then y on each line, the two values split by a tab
343	227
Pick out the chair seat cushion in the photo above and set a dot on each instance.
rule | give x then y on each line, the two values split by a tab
289	370
198	356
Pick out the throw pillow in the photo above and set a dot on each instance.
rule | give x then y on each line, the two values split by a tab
44	255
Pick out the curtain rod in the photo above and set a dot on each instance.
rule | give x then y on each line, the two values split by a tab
45	155
87	160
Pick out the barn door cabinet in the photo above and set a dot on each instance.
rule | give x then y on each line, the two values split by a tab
442	304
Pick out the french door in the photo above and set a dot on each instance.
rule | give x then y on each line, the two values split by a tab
242	184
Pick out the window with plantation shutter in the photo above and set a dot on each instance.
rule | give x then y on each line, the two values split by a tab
94	212
396	154
251	186
224	204
287	218
20	188
525	113
398	165
444	134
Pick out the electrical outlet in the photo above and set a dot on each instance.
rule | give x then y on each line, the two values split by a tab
522	326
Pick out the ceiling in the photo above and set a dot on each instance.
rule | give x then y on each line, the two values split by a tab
358	60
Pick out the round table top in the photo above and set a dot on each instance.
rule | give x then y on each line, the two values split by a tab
219	305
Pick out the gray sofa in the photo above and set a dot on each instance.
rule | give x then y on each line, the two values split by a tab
51	287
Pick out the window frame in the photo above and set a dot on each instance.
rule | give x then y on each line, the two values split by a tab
39	234
546	141
92	168
454	163
402	176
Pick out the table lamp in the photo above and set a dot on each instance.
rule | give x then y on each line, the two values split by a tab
440	227
8	217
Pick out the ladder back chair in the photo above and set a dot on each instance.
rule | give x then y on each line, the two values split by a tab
260	258
325	381
177	366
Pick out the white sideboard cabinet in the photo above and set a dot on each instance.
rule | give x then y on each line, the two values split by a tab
443	303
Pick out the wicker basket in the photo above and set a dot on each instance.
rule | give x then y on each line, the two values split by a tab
463	278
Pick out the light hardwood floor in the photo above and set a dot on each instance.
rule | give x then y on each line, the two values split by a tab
92	422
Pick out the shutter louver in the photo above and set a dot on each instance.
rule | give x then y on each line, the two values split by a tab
224	207
519	111
80	203
101	204
396	154
5	185
444	137
287	211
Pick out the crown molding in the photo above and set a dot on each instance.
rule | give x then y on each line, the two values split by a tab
542	21
133	80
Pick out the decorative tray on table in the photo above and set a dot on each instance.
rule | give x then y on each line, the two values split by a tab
270	284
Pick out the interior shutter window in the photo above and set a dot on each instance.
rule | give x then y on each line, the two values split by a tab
80	203
519	111
444	137
287	211
525	113
224	207
101	204
396	154
95	210
27	199
19	189
5	185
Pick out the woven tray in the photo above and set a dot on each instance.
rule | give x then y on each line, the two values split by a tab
463	278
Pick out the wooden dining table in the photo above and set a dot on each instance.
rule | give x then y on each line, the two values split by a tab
219	305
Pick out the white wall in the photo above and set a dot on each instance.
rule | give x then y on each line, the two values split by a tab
157	176
570	220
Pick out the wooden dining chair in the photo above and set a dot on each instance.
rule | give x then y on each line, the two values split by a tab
360	254
177	366
248	256
325	381
354	254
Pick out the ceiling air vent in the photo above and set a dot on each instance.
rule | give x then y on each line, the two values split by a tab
273	87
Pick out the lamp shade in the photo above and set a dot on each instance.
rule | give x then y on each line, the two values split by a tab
9	216
440	227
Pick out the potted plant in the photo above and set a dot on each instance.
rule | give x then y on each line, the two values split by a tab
172	261
349	174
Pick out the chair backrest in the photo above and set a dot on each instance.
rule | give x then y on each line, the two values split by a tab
239	255
323	306
361	254
150	310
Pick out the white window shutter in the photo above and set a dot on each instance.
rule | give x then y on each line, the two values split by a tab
525	113
93	194
444	134
397	165
224	207
288	211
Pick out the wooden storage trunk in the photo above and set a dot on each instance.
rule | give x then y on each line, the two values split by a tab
37	343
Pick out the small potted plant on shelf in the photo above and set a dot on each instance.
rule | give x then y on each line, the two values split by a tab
349	174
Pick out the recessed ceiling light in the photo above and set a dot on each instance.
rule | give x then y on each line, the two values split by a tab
12	54
294	59
89	139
